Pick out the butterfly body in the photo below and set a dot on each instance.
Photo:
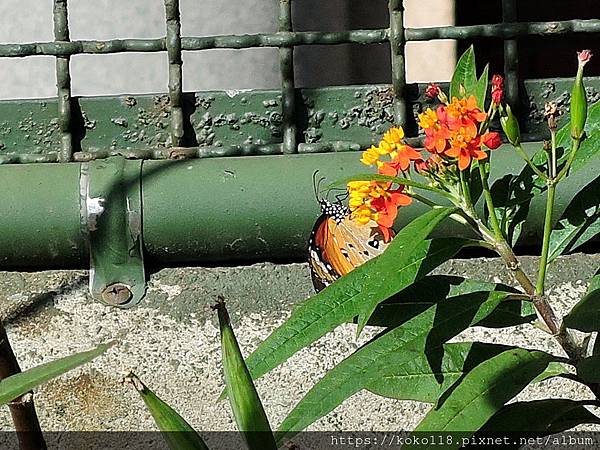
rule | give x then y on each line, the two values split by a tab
338	245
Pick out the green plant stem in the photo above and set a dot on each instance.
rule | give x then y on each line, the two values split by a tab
552	167
460	218
539	288
565	169
522	154
489	202
464	187
540	302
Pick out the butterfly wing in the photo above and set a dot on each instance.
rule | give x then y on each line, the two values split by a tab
337	248
321	271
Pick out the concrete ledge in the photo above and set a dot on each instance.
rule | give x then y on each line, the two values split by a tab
171	342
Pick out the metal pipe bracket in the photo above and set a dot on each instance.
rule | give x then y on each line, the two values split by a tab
111	221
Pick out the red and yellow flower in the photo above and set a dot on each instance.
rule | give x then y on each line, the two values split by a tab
376	200
452	131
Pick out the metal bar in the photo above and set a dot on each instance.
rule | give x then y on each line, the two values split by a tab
63	81
200	228
511	57
288	92
287	39
397	46
504	30
173	42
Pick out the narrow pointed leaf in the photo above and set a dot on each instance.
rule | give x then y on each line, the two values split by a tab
247	408
418	381
481	88
539	417
178	434
434	288
554	369
415	345
588	369
483	391
579	224
408	258
585	315
464	75
20	383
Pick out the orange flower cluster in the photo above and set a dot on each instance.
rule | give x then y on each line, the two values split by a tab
453	131
376	200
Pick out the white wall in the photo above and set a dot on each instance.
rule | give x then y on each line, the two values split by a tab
212	69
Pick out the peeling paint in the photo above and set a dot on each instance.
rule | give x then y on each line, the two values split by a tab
234	92
95	208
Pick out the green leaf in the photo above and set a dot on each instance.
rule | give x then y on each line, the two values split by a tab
20	383
554	369
585	315
579	222
407	259
539	417
470	403
481	88
464	75
586	164
175	430
414	346
588	369
434	288
248	411
417	381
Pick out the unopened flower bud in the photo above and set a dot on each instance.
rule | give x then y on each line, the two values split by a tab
432	90
497	82
510	126
578	105
492	140
442	97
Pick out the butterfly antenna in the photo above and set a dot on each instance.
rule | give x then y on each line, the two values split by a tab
317	185
342	196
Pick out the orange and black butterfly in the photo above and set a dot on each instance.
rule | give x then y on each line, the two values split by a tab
337	244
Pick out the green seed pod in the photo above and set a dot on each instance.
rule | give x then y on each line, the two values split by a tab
510	126
578	105
247	408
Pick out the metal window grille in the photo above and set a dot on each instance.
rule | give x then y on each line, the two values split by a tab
292	120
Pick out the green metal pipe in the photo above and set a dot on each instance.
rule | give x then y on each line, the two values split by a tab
200	210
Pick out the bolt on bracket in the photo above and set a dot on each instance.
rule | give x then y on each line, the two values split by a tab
111	219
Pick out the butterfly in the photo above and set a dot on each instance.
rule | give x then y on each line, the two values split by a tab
338	245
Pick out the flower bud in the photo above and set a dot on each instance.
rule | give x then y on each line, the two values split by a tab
578	99
510	126
432	90
491	140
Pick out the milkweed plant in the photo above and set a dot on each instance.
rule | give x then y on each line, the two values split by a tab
470	385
